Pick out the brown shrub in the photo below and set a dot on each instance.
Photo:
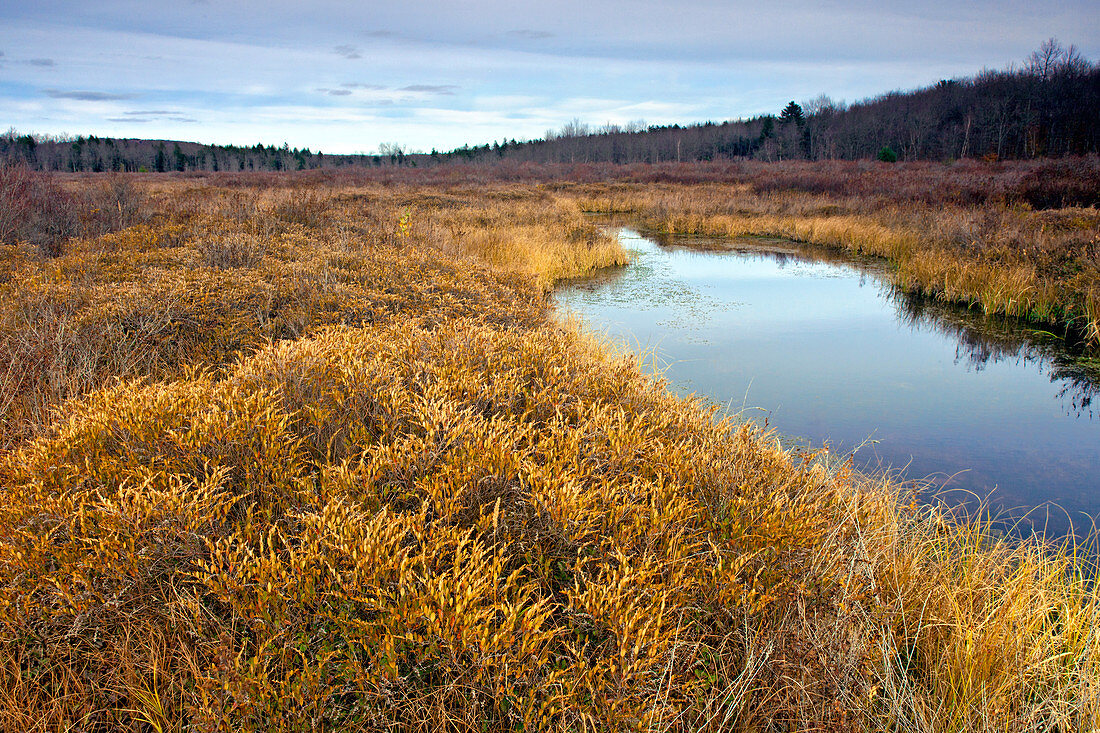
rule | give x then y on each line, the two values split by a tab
231	250
35	210
1056	184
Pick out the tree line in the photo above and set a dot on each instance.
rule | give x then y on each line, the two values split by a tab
1047	107
99	154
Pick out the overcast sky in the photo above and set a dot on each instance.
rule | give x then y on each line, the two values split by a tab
347	76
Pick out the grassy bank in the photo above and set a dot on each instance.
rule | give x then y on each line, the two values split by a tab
319	458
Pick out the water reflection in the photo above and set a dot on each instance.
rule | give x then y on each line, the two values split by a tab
983	340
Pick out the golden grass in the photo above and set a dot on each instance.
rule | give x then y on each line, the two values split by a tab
320	459
221	273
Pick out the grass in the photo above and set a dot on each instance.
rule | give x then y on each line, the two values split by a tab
320	458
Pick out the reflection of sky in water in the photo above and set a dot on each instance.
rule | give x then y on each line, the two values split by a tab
821	349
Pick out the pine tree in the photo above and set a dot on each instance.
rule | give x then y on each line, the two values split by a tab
792	113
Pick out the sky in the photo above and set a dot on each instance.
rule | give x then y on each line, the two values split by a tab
345	77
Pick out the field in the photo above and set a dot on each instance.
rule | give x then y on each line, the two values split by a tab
314	453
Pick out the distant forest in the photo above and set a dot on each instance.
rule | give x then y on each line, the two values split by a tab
96	154
1048	107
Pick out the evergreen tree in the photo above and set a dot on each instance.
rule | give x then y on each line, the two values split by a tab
887	155
768	130
792	113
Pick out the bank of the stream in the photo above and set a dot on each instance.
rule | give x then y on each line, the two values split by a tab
1040	266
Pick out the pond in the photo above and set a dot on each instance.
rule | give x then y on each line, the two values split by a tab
829	353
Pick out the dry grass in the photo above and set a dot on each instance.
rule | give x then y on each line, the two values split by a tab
319	459
215	274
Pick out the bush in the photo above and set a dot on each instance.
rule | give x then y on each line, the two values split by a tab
1054	184
887	155
34	209
232	250
120	202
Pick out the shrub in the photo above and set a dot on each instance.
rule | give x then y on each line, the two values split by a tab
230	251
1054	184
121	202
34	209
887	155
297	207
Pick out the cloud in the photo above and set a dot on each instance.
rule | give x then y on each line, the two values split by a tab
530	35
86	96
550	55
152	115
46	63
430	88
335	92
348	52
151	119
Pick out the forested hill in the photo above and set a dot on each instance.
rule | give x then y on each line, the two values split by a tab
1049	106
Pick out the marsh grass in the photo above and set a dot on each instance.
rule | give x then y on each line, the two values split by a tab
218	274
362	481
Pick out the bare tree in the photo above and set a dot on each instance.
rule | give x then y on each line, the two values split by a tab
1043	62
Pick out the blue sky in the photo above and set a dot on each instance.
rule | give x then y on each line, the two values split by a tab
346	77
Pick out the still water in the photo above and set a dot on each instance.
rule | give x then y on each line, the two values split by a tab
826	350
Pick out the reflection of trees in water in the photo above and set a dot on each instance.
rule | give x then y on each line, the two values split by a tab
782	259
986	340
980	339
782	252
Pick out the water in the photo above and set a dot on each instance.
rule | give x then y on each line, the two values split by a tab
828	352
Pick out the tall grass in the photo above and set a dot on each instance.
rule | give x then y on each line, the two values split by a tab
217	274
360	480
